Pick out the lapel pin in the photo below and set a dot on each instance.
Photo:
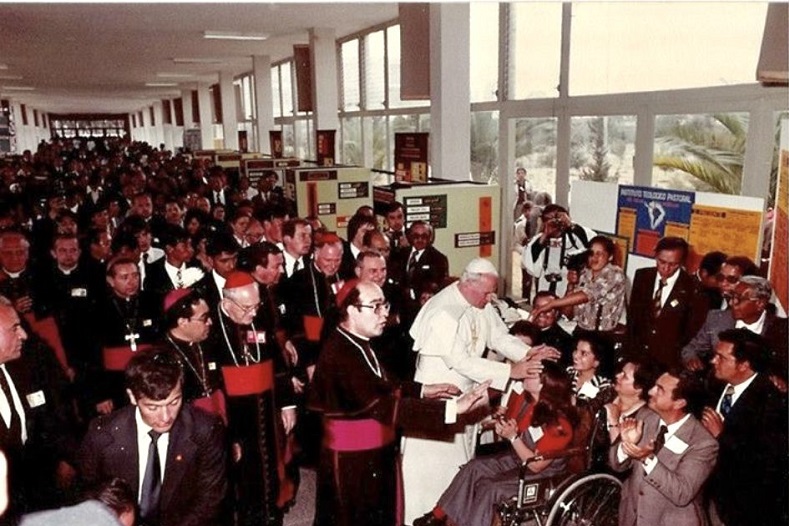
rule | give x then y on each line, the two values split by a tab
178	458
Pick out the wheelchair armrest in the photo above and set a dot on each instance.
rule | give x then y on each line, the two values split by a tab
566	453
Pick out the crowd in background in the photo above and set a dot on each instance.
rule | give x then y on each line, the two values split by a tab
111	245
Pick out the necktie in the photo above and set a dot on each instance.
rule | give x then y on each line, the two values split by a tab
656	299
142	266
219	197
411	262
179	279
395	236
296	266
14	423
727	401
660	439
151	483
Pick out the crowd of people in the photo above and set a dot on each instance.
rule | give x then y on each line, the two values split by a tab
176	342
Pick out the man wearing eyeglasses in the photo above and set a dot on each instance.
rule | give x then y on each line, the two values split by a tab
748	309
361	405
255	416
188	322
451	333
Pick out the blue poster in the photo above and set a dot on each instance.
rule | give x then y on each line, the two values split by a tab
646	214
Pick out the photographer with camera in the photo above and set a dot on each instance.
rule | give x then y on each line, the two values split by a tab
545	256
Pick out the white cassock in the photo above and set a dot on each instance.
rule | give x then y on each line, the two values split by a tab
450	336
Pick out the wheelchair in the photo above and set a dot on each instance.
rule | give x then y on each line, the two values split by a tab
585	495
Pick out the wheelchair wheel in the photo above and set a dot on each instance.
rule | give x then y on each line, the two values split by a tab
592	500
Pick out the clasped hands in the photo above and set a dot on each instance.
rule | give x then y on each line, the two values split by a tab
631	431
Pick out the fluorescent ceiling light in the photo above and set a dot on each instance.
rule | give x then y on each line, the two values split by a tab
10	77
18	88
174	75
233	35
161	84
198	60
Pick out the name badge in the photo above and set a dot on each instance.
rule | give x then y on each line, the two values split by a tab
281	308
536	433
36	399
676	445
256	337
147	323
674	303
79	293
335	288
425	267
212	366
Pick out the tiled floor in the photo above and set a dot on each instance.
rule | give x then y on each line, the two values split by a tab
303	511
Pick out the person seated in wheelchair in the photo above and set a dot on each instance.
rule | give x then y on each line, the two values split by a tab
542	423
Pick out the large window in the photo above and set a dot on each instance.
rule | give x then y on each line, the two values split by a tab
535	49
621	47
484	54
700	152
535	150
375	71
350	75
297	134
602	149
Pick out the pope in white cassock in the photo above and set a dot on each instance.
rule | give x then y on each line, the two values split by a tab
451	333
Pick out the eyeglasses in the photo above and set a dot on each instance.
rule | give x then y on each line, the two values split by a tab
733	280
205	317
377	308
246	309
737	298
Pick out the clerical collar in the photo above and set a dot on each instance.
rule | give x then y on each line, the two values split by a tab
67	271
13	275
349	332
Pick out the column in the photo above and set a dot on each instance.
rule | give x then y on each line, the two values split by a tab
168	130
186	103
157	130
264	104
229	117
450	108
206	124
323	48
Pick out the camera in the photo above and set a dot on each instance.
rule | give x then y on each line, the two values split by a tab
577	262
553	278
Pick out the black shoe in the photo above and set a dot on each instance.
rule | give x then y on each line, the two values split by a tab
428	519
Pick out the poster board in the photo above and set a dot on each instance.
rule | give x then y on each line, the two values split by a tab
779	252
411	154
596	205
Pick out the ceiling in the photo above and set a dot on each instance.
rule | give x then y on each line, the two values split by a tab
97	58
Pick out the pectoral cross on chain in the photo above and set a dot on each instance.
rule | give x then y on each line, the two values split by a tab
132	339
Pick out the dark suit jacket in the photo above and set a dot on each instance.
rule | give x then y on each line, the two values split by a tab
207	287
157	281
41	386
432	266
774	332
748	484
680	318
348	264
195	481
